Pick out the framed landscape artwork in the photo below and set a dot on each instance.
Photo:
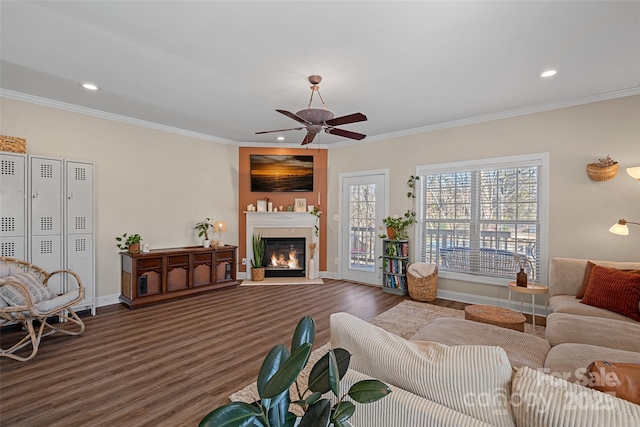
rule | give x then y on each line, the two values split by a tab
281	173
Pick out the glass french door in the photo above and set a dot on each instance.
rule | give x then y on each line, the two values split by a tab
362	209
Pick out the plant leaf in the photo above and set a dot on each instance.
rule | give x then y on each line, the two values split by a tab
317	415
334	374
290	420
288	372
368	391
274	361
305	333
313	398
278	408
319	375
343	411
236	414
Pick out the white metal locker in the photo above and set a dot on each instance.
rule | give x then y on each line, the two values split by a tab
79	197
45	213
13	206
80	261
79	218
46	196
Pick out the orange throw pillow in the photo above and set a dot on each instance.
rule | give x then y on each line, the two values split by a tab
587	277
614	290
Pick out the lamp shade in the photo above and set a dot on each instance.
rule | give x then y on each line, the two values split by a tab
219	226
620	228
634	172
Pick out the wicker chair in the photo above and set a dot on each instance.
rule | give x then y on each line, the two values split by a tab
25	298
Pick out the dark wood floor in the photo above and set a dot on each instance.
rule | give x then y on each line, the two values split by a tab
172	363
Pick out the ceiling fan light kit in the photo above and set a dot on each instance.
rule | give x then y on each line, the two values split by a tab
317	119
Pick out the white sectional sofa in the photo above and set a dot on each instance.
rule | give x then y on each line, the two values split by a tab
456	372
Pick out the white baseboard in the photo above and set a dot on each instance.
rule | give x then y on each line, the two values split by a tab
541	310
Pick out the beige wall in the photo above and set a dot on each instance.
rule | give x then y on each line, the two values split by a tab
580	210
149	182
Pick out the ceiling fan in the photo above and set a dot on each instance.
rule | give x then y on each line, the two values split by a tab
316	119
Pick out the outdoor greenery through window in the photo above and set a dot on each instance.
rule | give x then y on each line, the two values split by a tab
475	217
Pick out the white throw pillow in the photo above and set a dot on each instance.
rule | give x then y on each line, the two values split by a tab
474	380
421	269
12	295
541	400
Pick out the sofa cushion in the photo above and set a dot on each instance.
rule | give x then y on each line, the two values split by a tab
569	305
569	361
541	400
587	276
474	380
402	408
610	333
522	349
566	274
12	294
614	290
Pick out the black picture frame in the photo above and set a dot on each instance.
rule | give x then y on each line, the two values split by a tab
281	174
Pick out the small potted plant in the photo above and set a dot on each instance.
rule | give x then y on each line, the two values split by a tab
397	225
203	230
129	243
259	245
280	370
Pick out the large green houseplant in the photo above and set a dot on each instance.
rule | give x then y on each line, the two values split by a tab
280	370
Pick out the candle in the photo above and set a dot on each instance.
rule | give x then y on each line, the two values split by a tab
318	198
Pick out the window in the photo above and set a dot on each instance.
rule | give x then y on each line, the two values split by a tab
476	217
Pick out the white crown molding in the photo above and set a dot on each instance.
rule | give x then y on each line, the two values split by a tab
496	116
295	144
438	126
18	96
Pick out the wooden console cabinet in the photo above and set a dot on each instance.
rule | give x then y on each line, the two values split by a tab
165	274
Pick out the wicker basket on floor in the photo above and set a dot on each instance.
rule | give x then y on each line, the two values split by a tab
423	288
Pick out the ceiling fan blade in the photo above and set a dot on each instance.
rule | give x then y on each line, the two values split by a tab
346	133
309	138
343	120
277	130
293	116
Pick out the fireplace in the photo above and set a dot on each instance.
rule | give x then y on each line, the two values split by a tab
284	257
290	225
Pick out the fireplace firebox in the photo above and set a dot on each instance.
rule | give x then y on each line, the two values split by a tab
284	257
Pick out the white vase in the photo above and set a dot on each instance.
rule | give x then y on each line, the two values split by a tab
311	273
206	243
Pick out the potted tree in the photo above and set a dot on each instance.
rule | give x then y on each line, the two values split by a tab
129	243
259	245
203	230
280	370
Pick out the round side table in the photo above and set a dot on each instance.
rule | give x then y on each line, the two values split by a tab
532	289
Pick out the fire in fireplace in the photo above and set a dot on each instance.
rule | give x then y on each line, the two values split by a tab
284	257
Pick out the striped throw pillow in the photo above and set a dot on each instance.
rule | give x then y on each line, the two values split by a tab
12	295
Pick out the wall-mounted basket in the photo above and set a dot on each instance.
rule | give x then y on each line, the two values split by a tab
13	144
604	170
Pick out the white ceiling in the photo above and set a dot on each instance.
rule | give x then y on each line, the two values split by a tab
219	69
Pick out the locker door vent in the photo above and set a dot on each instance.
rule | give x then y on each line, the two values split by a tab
8	167
81	174
8	249
46	171
8	224
81	245
80	223
46	247
46	223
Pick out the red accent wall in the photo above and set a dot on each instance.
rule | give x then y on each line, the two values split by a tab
320	159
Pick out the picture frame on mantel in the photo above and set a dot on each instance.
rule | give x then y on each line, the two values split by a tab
262	205
300	205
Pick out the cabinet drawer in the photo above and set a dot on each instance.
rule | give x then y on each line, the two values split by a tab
150	263
224	255
178	260
200	258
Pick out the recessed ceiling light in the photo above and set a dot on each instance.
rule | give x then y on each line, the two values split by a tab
89	86
280	138
548	73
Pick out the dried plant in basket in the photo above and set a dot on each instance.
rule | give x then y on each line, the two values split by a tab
604	170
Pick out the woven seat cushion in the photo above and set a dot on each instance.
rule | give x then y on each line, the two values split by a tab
12	295
522	349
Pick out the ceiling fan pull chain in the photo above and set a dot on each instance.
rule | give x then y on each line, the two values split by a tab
323	106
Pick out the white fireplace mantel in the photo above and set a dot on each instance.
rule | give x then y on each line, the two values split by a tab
289	222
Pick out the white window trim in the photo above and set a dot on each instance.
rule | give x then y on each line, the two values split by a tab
541	159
